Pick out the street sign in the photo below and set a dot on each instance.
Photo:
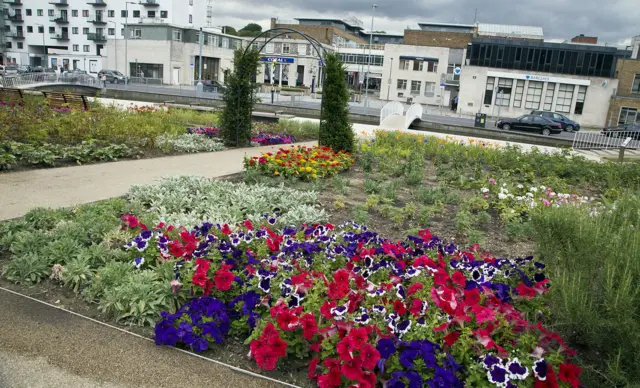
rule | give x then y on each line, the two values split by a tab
277	59
457	71
443	78
191	65
442	85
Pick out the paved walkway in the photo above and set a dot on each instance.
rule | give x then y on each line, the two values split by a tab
68	186
44	347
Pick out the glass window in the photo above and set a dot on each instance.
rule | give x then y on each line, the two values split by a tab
51	12
151	14
86	48
29	29
548	97
40	29
85	13
112	31
525	119
8	45
565	98
137	33
635	88
286	49
517	98
534	95
52	30
429	89
177	35
76	47
136	14
415	87
225	42
190	19
628	116
404	64
74	13
74	30
20	45
539	120
503	98
28	12
111	13
164	14
402	84
418	65
488	93
582	94
85	30
123	13
432	66
40	12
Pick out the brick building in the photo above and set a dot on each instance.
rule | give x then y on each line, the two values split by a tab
624	107
327	31
585	39
440	35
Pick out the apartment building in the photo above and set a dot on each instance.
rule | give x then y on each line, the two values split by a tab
73	34
335	32
625	105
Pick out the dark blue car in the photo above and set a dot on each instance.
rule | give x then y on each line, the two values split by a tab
566	123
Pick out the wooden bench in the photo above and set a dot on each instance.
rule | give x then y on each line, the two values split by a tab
279	113
9	94
64	100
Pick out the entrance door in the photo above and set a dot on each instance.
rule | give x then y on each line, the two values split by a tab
300	75
176	76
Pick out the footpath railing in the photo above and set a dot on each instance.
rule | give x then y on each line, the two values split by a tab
605	141
413	113
391	108
39	78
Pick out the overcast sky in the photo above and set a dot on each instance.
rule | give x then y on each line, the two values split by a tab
613	22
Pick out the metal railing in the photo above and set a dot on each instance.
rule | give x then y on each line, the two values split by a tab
391	108
413	113
605	141
25	80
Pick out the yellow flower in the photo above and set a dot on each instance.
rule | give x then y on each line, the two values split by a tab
276	173
309	169
314	176
301	169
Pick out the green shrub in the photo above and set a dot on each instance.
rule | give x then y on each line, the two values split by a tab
107	278
594	265
335	125
45	218
77	272
29	268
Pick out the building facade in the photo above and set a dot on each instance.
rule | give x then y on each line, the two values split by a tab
510	78
334	32
73	34
170	54
625	105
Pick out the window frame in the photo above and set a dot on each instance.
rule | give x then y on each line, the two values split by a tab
401	84
564	100
533	95
176	35
429	89
635	85
416	91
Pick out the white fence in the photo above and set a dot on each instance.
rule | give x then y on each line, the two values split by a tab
390	109
52	78
413	113
600	141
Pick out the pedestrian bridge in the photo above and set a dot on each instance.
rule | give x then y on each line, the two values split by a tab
392	116
47	80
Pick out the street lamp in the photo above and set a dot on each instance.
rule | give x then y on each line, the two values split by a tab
44	47
126	39
366	88
115	42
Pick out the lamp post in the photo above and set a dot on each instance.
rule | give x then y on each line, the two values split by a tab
115	42
126	24
44	47
199	86
366	88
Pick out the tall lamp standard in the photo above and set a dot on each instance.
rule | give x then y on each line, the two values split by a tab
44	46
115	42
366	88
126	39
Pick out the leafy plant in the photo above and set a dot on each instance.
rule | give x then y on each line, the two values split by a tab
335	126
106	278
28	268
77	272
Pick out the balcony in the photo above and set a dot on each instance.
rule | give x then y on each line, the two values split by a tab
16	35
150	3
97	3
453	79
15	18
100	20
60	3
59	36
97	37
15	3
60	20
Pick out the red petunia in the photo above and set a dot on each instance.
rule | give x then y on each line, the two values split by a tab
345	349
471	297
441	277
223	279
278	346
451	338
414	288
287	321
332	379
399	307
341	277
226	229
483	314
298	279
176	248
550	382
459	278
266	361
258	347
369	356
355	300
325	309
359	336
309	326
269	332
199	279
352	369
416	307
248	225
570	373
313	366
337	290
525	292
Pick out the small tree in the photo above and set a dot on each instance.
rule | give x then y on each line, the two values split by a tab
335	126
239	97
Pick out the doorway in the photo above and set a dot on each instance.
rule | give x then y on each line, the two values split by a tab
176	76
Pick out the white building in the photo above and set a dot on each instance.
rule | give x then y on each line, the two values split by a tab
423	74
169	54
356	62
74	33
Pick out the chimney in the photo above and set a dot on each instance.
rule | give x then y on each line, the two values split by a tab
274	21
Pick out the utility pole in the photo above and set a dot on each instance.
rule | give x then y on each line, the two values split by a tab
389	80
126	39
199	86
366	87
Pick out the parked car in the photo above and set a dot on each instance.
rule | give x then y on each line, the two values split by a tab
8	69
625	130
23	69
74	75
114	76
566	123
530	123
213	86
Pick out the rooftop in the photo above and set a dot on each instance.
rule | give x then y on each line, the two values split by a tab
447	25
510	31
565	46
349	22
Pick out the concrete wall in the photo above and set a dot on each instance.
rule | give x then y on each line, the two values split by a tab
391	70
473	85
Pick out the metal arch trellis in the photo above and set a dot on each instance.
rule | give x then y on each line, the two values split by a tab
279	31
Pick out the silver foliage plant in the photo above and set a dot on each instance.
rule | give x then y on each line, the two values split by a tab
190	200
189	143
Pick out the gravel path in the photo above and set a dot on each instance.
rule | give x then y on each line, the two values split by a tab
68	186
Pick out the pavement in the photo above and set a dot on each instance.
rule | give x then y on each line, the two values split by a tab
68	186
45	347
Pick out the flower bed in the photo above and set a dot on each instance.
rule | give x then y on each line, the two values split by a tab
189	143
266	138
208	131
301	162
414	313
